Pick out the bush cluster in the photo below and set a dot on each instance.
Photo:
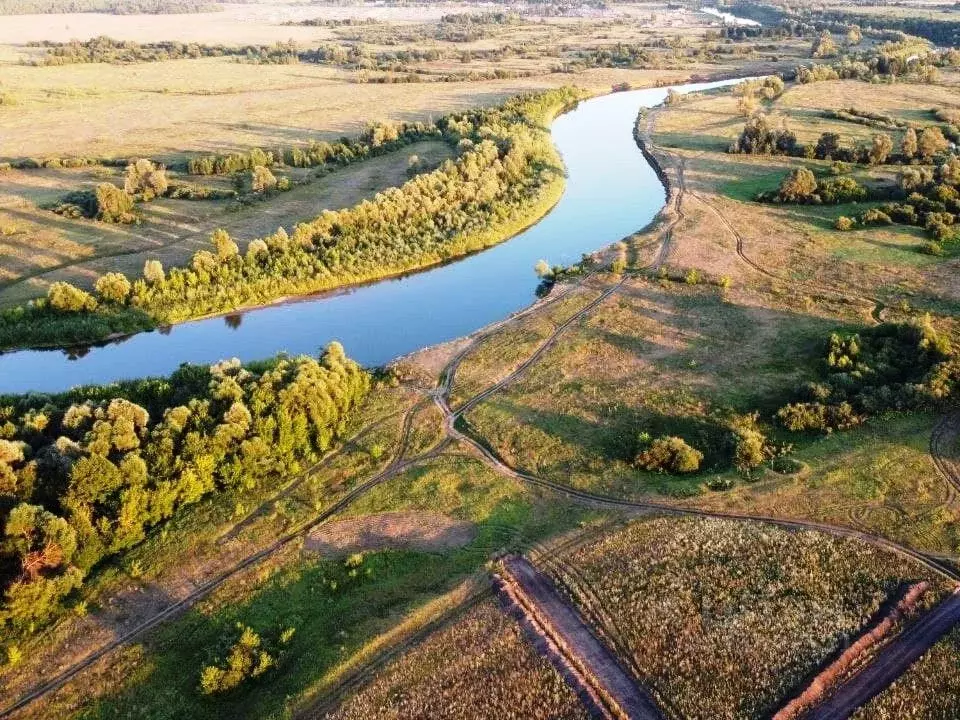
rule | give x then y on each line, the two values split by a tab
893	366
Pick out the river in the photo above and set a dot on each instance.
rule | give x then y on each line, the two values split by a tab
611	192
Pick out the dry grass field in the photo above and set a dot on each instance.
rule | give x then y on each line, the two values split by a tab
38	247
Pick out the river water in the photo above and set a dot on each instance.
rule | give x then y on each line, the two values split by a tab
611	192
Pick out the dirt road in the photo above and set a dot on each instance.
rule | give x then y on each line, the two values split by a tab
891	662
614	690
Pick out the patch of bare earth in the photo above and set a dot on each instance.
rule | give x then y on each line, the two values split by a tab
391	530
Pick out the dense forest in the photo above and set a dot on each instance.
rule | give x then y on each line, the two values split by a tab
506	174
87	474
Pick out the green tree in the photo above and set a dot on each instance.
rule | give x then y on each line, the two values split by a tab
797	186
64	297
113	287
881	145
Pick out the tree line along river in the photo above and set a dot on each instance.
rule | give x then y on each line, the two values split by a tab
611	192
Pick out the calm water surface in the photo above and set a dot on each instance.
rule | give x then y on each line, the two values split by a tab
611	192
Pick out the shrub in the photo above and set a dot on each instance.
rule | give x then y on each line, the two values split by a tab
113	204
692	277
145	180
245	660
841	190
64	297
800	417
875	216
262	180
931	247
153	271
113	287
844	223
669	454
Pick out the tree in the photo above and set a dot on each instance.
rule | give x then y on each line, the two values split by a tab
798	186
854	36
64	297
824	46
908	148
542	268
880	148
145	180
113	287
827	145
262	180
153	272
222	243
113	204
931	142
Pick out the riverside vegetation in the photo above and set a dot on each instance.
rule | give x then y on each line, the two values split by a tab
507	174
86	474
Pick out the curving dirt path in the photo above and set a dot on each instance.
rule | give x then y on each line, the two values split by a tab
572	644
945	452
891	662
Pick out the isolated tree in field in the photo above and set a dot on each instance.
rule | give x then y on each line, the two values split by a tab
113	287
824	46
223	244
908	148
153	271
145	180
799	185
931	142
880	148
64	297
262	180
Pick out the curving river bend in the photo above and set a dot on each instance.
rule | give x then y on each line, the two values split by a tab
611	192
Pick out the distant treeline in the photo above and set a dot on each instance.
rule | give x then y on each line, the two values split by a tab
87	474
112	7
937	30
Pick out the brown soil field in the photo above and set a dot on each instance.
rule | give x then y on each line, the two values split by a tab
393	530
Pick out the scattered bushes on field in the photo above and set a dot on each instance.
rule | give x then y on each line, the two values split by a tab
893	366
801	186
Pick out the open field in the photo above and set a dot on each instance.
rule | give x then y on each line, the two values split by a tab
725	619
39	247
478	667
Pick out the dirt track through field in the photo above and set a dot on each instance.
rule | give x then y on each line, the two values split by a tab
891	662
614	691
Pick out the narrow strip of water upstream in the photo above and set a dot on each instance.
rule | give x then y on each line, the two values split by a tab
611	192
